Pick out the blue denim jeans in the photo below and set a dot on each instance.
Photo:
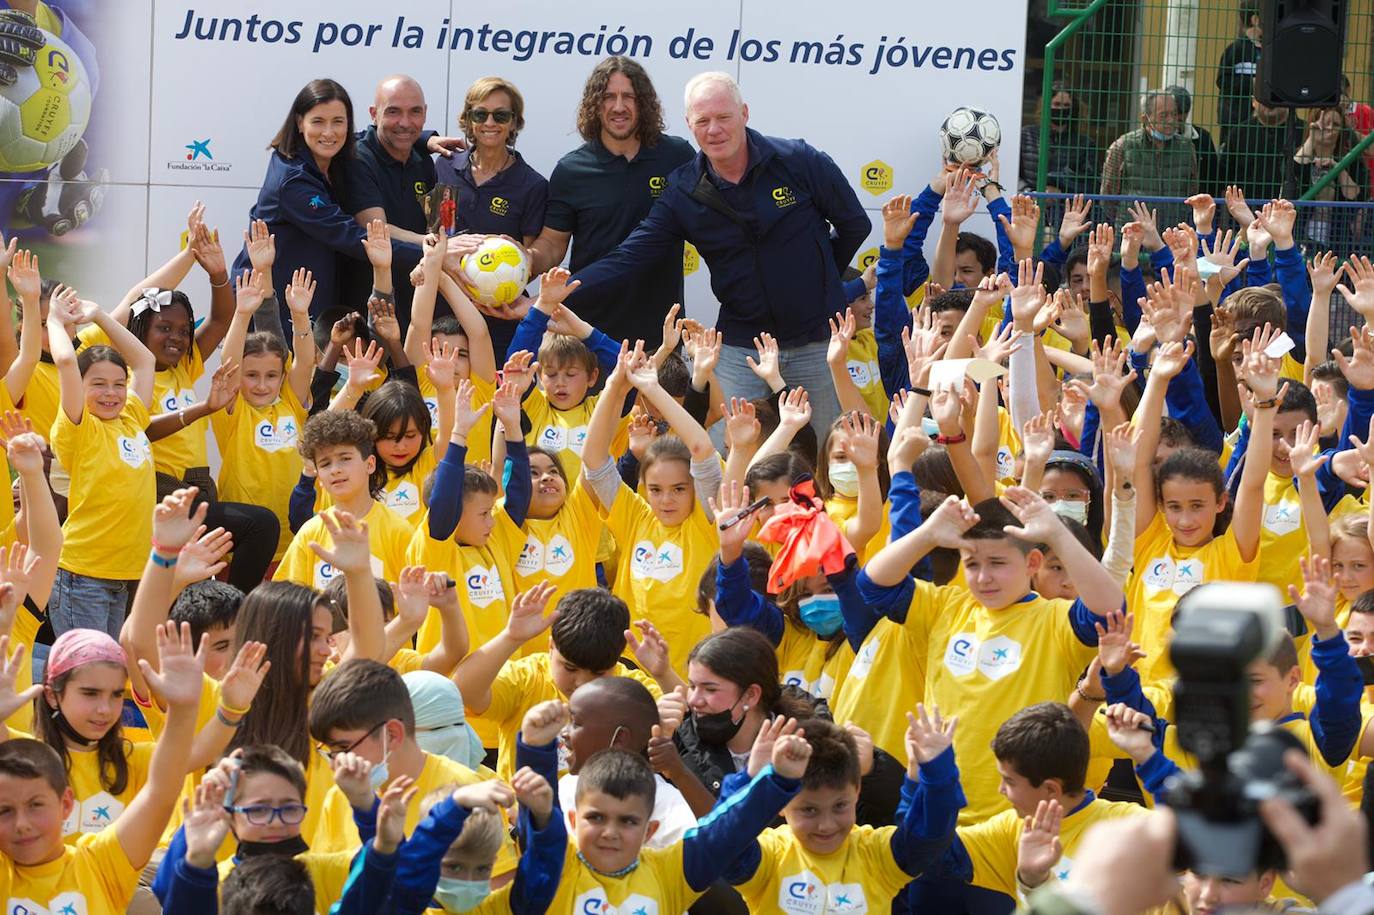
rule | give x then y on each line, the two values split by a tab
83	602
801	366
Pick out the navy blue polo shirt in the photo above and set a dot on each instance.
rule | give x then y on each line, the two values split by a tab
510	203
600	198
377	179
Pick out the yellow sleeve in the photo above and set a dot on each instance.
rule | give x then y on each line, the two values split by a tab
512	689
298	562
991	846
114	878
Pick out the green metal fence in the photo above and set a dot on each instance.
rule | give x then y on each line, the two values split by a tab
1100	57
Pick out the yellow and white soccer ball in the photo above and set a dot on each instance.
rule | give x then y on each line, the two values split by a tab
495	273
44	114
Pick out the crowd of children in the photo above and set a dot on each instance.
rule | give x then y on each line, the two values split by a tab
568	629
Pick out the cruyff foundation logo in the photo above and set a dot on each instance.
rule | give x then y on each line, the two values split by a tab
656	185
783	197
876	177
198	158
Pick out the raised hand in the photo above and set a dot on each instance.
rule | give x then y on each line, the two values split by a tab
961	197
1021	228
534	793
377	245
1224	255
1317	602
181	669
642	431
1323	271
344	330
761	753
224	385
642	374
1109	361
1204	212
651	651
11	701
1132	236
23	273
1037	438
241	682
927	736
907	445
863	439
208	252
1277	218
767	365
24	450
544	722
412	596
487	795
794	409
1029	295
734	497
1258	370
1039	523
261	245
948	523
1304	456
1121	444
1115	650
842	330
385	324
1101	240
1148	221
441	362
999	348
1169	306
1358	369
391	814
1183	245
1127	728
363	363
202	557
248	292
505	406
741	424
898	221
1072	320
1075	220
1359	274
705	346
991	289
300	293
351	552
177	518
527	618
520	368
353	778
554	286
1039	848
465	415
1223	337
1240	210
204	823
1172	358
946	408
791	753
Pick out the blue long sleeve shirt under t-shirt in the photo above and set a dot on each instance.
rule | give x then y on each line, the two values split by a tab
915	269
530	332
890	316
446	495
1291	273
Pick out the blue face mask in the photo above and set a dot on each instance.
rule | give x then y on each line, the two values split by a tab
381	772
461	895
1160	136
821	614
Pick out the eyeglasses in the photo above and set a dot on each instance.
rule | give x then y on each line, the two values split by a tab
330	754
1073	495
263	815
500	115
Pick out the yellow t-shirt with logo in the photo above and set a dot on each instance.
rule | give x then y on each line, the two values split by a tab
1008	447
564	432
1164	572
173	390
885	681
561	550
404	494
336	832
842	508
259	459
109	522
387	536
992	844
95	806
802	661
864	371
522	684
93	875
1283	534
479	438
861	876
655	885
659	568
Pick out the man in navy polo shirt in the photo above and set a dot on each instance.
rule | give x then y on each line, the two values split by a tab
388	180
759	210
600	191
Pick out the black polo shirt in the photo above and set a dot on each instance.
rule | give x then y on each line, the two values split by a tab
600	198
510	203
376	179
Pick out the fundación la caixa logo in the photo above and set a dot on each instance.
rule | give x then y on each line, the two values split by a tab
198	158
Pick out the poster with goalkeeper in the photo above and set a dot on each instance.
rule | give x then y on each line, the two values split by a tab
50	184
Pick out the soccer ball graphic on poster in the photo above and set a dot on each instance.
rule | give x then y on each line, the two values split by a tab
969	135
44	114
495	273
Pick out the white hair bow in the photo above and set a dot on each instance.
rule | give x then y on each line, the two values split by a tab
152	299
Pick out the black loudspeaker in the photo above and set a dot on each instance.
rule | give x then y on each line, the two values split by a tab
1304	44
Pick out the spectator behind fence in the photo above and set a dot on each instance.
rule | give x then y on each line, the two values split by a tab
1359	117
1257	153
1155	160
1236	71
1208	159
1074	159
1327	142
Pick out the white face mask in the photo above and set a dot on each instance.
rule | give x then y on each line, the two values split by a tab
844	478
381	772
1074	511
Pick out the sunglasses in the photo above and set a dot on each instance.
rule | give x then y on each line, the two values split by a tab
500	115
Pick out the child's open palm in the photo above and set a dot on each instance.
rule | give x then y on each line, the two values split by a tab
176	521
351	552
391	814
1317	602
22	445
248	293
181	672
734	497
794	409
842	329
1039	523
204	823
377	245
261	245
362	363
11	701
1115	650
520	369
353	777
203	557
1303	456
898	221
301	292
241	682
1039	848
466	415
927	736
527	618
505	404
24	275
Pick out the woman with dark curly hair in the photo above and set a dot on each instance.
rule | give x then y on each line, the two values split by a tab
601	190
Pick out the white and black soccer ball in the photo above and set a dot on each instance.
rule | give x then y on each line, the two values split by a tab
969	135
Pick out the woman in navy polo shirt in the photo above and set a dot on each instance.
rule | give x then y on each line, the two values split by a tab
498	192
299	196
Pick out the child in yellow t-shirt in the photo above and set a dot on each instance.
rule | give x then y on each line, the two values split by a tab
257	432
98	436
100	871
405	609
571	358
340	444
1179	506
667	539
588	636
841	864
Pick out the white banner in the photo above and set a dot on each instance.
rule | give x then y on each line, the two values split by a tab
190	94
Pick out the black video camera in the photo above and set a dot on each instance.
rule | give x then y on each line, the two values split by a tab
1219	630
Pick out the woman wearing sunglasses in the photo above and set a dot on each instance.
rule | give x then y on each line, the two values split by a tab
498	192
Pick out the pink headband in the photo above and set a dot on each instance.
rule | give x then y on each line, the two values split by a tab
78	647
